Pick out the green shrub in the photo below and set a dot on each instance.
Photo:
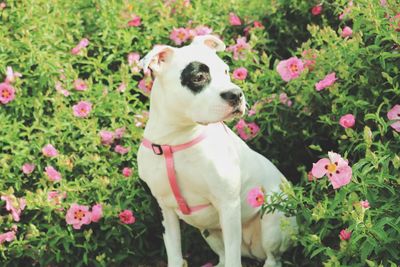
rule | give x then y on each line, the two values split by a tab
36	39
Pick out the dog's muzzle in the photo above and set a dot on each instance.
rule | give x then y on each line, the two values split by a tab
233	96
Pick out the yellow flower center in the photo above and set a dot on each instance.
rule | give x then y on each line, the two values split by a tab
79	215
293	67
181	36
331	167
5	94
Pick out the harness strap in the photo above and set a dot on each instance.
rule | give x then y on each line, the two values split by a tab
168	152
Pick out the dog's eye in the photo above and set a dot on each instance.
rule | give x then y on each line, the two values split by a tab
226	72
198	78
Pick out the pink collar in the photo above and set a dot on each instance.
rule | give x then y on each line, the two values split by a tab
168	152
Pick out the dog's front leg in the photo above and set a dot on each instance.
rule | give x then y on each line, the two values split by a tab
172	238
232	232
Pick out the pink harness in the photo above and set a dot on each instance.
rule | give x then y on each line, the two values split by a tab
168	152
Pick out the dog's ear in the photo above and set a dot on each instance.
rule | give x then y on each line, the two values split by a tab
211	41
156	58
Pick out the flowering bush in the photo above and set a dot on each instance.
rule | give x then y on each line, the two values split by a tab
322	81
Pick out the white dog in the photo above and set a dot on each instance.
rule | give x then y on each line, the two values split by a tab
197	168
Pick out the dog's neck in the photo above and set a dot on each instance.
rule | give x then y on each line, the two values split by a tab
168	128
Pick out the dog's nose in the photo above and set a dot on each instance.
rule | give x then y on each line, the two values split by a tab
232	96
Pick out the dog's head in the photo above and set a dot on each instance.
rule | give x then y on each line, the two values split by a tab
195	81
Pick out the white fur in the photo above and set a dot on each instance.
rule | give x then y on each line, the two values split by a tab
220	170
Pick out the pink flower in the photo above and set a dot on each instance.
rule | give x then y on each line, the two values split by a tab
7	236
336	168
247	130
133	62
59	88
82	44
239	49
290	69
251	112
284	99
75	50
121	150
179	35
80	85
7	93
347	121
52	195
146	84
240	73
11	75
3	5
14	205
97	212
135	21
240	125
119	132
329	80
127	172
364	204
202	30
28	168
82	109
121	88
394	115
255	197
127	217
346	32
141	119
234	20
258	24
253	129
52	174
346	11
246	30
78	215
345	235
133	58
56	197
383	3
107	137
309	59
395	22
49	151
309	64
316	10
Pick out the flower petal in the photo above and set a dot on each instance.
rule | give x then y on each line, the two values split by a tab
393	114
396	126
341	177
337	159
319	168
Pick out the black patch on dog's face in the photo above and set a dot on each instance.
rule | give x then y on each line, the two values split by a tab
196	76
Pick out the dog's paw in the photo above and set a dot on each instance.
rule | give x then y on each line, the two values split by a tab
272	263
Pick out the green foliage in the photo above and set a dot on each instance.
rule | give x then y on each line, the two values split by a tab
36	38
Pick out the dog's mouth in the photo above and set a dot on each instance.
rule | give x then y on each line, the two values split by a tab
234	112
238	111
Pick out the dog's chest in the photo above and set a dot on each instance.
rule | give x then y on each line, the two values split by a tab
187	172
200	170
